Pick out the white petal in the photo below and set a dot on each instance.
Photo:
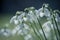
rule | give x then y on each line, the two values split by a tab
25	19
16	22
41	14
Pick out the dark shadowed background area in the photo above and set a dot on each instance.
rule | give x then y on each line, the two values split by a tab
9	7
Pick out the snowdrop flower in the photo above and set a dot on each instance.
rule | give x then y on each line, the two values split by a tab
16	29
57	18
46	5
14	20
18	12
14	32
23	14
6	32
26	26
45	13
36	11
21	17
19	32
23	30
41	14
2	30
25	18
31	17
31	8
47	28
17	18
30	11
49	18
31	14
28	37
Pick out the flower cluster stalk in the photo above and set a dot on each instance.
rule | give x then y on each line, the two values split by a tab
41	28
53	20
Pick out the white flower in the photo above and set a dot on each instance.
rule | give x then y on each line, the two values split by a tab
14	32
45	13
20	17
19	32
57	18
23	30
14	20
36	12
26	26
30	11
16	29
41	14
47	28
32	17
2	30
46	5
18	12
6	32
24	18
28	37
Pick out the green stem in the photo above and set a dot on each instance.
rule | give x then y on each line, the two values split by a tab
56	26
41	28
54	29
35	31
53	22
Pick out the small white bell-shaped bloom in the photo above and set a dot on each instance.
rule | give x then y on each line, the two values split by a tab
28	37
44	12
47	28
14	20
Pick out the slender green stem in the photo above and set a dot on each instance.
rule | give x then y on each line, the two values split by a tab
56	24
52	19
54	29
41	28
35	31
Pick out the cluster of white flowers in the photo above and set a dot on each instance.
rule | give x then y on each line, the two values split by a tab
5	32
19	30
30	15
